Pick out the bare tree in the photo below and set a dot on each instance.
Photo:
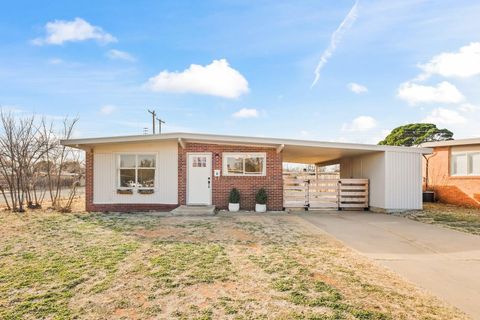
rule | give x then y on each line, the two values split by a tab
25	147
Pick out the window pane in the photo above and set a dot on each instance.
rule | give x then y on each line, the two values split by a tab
459	164
198	162
146	161
146	178
474	163
235	165
127	161
127	178
254	165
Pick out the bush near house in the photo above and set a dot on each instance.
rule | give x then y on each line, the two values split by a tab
261	197
234	196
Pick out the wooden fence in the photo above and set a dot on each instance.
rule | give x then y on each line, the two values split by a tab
318	193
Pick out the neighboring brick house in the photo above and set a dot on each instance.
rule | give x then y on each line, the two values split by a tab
454	171
161	172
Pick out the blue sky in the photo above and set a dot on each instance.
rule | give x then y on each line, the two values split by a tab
389	63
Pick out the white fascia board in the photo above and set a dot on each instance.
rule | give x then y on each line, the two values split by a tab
226	139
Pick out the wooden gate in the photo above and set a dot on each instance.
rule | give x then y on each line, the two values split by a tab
316	192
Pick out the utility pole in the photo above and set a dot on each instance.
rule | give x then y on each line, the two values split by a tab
154	115
160	121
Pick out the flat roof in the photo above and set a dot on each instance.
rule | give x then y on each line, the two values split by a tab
301	151
459	142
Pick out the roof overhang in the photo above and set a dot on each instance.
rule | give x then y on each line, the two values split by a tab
299	151
447	143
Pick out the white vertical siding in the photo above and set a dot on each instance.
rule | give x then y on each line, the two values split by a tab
369	166
166	179
395	178
403	185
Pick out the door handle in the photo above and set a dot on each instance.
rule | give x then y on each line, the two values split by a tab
208	182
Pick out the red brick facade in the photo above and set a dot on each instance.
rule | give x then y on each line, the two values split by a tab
221	186
247	185
464	191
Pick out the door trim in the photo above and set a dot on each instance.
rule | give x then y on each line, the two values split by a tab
188	179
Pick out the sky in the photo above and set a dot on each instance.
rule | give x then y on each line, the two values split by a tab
347	71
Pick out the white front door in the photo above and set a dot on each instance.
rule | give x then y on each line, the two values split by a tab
199	178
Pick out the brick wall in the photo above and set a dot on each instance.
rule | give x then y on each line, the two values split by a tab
464	191
89	181
247	185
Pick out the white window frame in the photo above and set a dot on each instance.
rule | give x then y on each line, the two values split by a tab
244	155
467	155
136	154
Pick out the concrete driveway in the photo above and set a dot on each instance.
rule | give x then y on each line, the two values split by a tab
442	261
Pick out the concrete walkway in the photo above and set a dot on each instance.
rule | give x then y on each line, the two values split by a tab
442	261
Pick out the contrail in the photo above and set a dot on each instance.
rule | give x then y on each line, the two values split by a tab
335	40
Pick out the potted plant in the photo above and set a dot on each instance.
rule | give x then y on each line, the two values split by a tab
234	200
261	200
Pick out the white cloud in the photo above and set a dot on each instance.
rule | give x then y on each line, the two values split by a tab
304	133
444	116
61	31
362	123
467	108
107	109
335	40
357	88
444	92
462	64
246	113
120	55
55	61
216	79
11	109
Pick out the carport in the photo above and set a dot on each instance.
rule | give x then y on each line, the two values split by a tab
381	178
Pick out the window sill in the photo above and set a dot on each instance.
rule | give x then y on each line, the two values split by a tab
145	191
124	191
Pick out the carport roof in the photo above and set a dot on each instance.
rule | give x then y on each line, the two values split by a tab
300	151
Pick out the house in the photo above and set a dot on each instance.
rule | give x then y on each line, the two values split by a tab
454	171
161	172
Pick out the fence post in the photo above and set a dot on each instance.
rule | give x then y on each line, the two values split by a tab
339	188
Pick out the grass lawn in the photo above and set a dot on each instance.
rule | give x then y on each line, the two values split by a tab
458	218
140	266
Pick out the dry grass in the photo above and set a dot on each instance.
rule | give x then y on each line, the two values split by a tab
450	216
141	266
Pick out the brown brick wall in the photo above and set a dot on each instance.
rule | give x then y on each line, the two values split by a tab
462	191
248	185
89	181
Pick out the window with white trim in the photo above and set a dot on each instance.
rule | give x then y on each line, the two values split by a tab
136	171
244	164
465	164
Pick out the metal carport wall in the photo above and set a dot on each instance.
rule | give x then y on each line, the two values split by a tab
395	178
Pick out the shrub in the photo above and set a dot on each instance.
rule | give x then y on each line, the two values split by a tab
261	196
234	196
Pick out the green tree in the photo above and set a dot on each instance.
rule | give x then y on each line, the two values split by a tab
416	133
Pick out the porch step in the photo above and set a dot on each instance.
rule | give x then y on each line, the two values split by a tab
194	211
